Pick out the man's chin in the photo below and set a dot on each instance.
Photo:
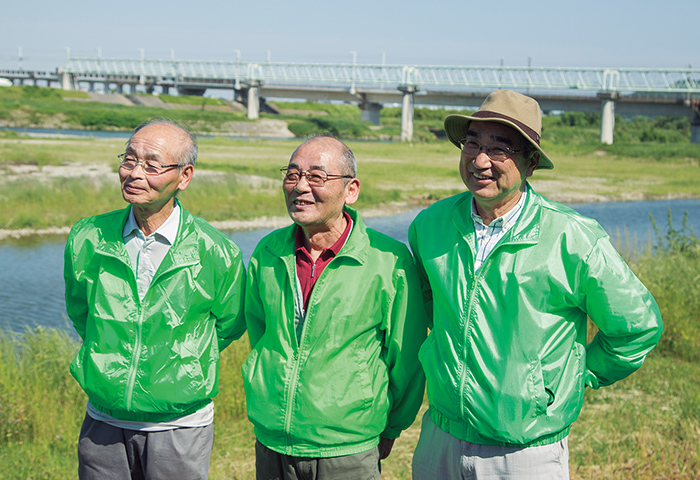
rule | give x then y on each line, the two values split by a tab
133	199
301	218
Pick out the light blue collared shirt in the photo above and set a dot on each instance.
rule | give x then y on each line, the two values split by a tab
487	236
147	253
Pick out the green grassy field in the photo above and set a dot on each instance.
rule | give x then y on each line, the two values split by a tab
238	179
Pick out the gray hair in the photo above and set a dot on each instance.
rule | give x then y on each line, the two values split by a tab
188	153
348	164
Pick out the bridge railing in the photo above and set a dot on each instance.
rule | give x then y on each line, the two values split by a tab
423	76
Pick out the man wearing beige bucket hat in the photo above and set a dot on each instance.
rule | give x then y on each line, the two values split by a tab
510	279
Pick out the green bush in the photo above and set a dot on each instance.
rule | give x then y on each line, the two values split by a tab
337	126
302	128
672	275
579	119
35	92
191	100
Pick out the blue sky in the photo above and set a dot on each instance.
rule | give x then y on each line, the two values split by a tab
593	33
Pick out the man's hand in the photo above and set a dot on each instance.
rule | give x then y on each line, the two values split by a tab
385	446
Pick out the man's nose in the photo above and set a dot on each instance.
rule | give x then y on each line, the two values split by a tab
138	171
482	160
305	187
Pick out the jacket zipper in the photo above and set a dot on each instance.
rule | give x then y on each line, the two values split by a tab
297	362
295	359
135	358
131	379
292	394
467	327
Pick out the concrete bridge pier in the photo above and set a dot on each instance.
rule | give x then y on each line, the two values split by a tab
695	129
695	122
253	103
250	97
67	80
607	123
407	112
370	111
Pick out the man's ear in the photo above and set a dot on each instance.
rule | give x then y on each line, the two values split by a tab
185	176
353	191
534	162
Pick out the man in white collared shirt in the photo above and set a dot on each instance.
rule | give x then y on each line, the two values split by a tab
510	279
155	294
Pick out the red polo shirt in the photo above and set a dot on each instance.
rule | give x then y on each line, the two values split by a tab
307	270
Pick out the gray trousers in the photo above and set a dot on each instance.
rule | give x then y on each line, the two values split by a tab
270	465
110	453
440	455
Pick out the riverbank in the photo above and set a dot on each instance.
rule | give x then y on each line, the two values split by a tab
48	184
265	222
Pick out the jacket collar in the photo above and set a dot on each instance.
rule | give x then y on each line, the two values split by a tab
356	246
525	231
183	251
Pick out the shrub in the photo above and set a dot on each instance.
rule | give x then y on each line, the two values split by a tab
337	126
672	275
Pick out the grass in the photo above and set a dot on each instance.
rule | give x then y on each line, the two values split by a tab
29	106
238	179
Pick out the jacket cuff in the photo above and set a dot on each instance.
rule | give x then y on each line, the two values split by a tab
390	433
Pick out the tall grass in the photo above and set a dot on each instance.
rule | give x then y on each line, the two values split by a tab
41	407
647	426
673	274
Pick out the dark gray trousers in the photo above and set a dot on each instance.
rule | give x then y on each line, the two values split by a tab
110	453
270	465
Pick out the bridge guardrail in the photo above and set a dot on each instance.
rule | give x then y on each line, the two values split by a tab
423	76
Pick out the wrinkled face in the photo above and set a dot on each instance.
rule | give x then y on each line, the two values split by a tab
496	185
155	142
319	208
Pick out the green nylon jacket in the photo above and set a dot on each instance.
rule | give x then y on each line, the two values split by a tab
506	360
354	375
155	359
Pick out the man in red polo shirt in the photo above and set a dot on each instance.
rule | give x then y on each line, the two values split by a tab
335	320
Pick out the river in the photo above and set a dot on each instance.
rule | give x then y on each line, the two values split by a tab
31	275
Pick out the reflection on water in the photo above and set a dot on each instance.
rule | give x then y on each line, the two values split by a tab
31	272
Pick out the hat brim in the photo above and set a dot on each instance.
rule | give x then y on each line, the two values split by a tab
456	129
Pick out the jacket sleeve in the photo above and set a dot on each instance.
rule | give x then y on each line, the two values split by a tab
625	313
406	331
426	291
75	294
228	307
254	309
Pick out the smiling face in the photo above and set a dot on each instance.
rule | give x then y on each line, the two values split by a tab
320	209
496	186
154	193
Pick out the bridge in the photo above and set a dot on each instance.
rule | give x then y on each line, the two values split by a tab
626	91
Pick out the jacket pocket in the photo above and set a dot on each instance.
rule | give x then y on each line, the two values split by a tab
541	397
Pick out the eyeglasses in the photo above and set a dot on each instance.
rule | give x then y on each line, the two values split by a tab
497	152
315	178
150	167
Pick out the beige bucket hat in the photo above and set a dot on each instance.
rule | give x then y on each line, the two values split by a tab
509	108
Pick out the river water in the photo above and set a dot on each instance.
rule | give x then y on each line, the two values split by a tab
31	275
